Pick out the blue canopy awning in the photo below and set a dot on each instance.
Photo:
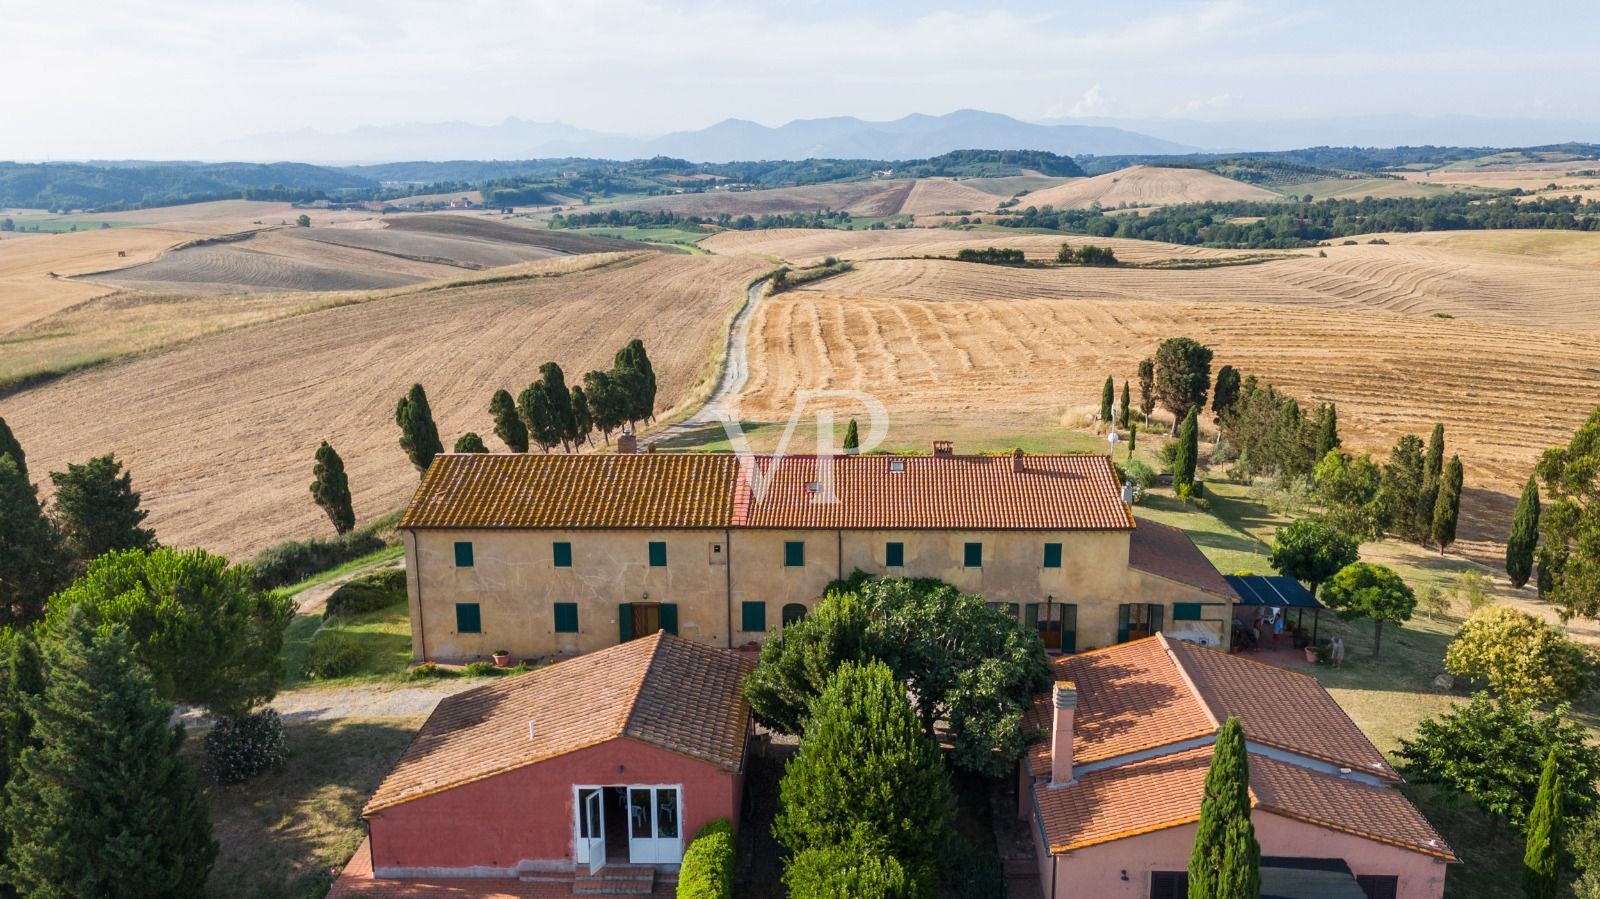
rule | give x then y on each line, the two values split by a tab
1274	591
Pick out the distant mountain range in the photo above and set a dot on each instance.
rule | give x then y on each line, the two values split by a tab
1356	131
912	137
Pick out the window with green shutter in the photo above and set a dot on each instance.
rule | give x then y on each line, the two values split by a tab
566	618
463	554
894	555
972	555
1052	555
468	618
794	553
753	617
561	554
658	554
669	617
1186	611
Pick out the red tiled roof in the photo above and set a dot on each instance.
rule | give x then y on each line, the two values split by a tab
700	490
1165	791
635	689
1166	551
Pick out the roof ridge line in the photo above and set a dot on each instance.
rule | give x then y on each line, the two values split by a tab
638	686
1177	662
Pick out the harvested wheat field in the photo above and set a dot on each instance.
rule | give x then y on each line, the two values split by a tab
933	195
1143	185
870	198
219	432
805	246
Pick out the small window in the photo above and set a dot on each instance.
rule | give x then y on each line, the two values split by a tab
897	466
468	618
972	555
561	554
794	554
1052	555
894	555
658	554
793	612
1186	611
753	617
463	554
1170	884
1379	886
566	618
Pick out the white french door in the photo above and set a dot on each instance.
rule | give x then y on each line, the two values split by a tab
655	835
591	828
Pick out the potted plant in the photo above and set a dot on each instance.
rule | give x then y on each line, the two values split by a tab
1313	655
502	658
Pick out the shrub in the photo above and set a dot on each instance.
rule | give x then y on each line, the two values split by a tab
1139	473
242	746
480	669
1521	657
368	594
1493	752
296	560
431	671
707	870
333	653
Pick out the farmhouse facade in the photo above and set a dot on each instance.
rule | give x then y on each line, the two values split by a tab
1113	795
547	555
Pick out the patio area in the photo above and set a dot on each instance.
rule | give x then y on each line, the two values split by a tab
1276	621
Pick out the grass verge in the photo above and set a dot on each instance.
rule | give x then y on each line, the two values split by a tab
384	638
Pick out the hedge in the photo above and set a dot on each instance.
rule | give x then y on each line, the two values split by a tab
368	594
707	869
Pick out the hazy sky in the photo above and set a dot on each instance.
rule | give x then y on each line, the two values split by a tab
159	78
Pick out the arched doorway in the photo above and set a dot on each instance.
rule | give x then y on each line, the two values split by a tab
793	612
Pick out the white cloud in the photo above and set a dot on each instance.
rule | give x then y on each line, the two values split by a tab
1092	103
1217	102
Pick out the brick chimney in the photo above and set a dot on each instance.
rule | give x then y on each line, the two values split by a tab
1065	708
1016	461
943	448
627	444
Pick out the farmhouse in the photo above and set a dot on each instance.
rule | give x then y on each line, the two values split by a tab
544	555
591	772
1114	793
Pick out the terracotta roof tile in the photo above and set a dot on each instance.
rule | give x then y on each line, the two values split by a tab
558	490
1052	492
676	694
1166	551
1154	794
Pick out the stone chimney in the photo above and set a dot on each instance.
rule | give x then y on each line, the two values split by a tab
1066	706
627	444
943	448
1016	461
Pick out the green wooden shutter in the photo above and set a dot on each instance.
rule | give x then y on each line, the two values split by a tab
566	618
972	555
1069	627
1031	617
658	554
669	617
469	619
624	622
894	555
753	617
463	554
1122	623
1156	613
562	554
1052	555
1186	611
794	553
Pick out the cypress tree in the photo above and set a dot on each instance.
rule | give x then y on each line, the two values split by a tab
1524	535
1107	394
1327	431
1447	509
1133	438
632	367
1188	455
606	405
470	442
1432	469
508	425
544	427
1541	865
582	417
99	509
21	681
32	558
1127	407
103	805
852	438
1147	388
1226	391
330	489
10	447
1226	862
419	436
559	400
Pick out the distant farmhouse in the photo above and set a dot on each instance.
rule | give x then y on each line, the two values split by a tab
549	555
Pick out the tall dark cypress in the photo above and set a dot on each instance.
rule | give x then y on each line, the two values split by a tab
1524	535
582	416
852	438
9	446
33	559
1226	391
508	425
1188	455
1432	468
1327	431
419	436
1226	861
1127	408
1107	397
330	489
1541	858
1147	388
559	399
1447	509
21	683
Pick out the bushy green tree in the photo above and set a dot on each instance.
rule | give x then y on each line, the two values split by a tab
508	424
1493	751
796	663
103	805
858	869
559	400
607	405
470	442
1349	487
1520	657
707	868
21	683
33	560
865	767
1187	454
1327	430
541	417
419	436
582	417
1226	391
1365	590
852	438
1311	551
330	489
1447	505
208	638
98	508
1226	860
1524	538
631	368
1402	488
1541	858
9	446
1569	560
1182	375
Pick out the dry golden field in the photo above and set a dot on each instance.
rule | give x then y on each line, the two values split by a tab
802	246
219	431
1146	186
901	196
933	195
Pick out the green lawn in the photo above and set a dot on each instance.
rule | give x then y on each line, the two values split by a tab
685	238
387	554
384	637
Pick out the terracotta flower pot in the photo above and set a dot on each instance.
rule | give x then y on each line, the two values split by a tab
502	659
1311	655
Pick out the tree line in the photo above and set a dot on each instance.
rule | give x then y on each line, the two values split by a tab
661	218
